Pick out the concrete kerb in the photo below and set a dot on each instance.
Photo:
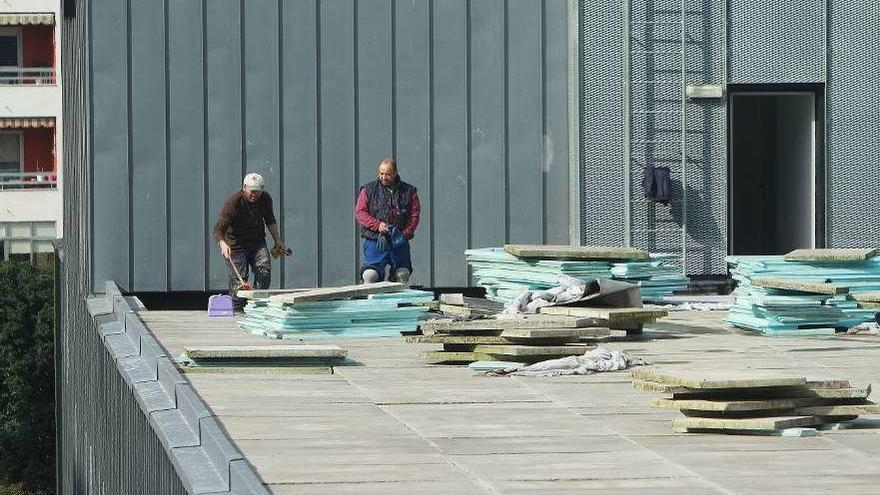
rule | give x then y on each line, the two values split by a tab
203	455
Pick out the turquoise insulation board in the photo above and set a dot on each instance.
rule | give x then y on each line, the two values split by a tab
788	312
505	276
377	315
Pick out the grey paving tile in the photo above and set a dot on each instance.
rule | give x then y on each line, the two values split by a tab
382	488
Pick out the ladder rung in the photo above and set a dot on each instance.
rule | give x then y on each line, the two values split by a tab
655	52
657	230
654	23
658	111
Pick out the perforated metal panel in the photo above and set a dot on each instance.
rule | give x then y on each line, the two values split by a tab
782	41
852	116
652	226
601	122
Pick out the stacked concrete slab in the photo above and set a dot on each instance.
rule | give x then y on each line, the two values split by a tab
749	403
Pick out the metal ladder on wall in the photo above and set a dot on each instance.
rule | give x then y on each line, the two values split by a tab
649	47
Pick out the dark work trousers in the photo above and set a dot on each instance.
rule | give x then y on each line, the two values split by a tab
254	257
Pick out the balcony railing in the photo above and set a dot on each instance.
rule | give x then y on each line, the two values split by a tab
28	180
26	75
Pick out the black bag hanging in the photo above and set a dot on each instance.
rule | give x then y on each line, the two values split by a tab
663	185
656	184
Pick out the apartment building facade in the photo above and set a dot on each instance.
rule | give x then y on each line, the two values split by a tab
30	129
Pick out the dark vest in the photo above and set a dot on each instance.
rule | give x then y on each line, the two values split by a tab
380	201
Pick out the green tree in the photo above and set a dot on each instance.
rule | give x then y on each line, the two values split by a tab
27	386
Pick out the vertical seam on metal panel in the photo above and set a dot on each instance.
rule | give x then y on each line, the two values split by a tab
167	151
431	143
357	141
89	167
243	89
318	161
506	172
468	124
206	190
281	187
543	146
394	79
130	168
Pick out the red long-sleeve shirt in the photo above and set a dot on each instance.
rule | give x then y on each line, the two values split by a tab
363	217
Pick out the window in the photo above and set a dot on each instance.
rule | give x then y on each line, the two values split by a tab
10	152
28	242
10	47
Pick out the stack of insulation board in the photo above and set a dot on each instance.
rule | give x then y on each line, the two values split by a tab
748	402
376	315
505	274
657	277
782	294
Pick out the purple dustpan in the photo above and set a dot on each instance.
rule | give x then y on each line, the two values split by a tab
220	306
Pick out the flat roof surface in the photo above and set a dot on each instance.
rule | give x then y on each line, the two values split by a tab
394	425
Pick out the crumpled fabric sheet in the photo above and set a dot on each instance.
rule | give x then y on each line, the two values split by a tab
596	360
867	328
691	306
569	289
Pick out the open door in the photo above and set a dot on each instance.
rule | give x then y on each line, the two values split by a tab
772	199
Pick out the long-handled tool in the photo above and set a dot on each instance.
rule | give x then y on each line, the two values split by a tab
244	285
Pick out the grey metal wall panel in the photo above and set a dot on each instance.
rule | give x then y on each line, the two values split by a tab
223	77
488	168
601	122
524	120
110	145
413	120
149	263
313	93
186	100
302	217
777	42
375	110
852	163
337	186
450	160
262	100
554	158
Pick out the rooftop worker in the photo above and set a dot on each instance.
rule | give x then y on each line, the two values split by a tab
388	212
241	234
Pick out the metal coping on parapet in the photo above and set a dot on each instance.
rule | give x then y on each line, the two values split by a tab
213	446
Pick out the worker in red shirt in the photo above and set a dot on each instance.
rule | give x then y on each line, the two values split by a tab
388	212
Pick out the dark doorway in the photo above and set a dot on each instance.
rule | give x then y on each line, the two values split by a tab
773	191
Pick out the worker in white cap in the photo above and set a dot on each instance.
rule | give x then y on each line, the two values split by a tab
241	234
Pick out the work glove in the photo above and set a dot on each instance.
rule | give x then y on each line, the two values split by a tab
383	243
280	250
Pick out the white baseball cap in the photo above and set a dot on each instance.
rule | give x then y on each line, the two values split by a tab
254	181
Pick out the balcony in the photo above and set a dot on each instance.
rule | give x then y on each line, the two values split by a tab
27	154
27	49
28	180
27	75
